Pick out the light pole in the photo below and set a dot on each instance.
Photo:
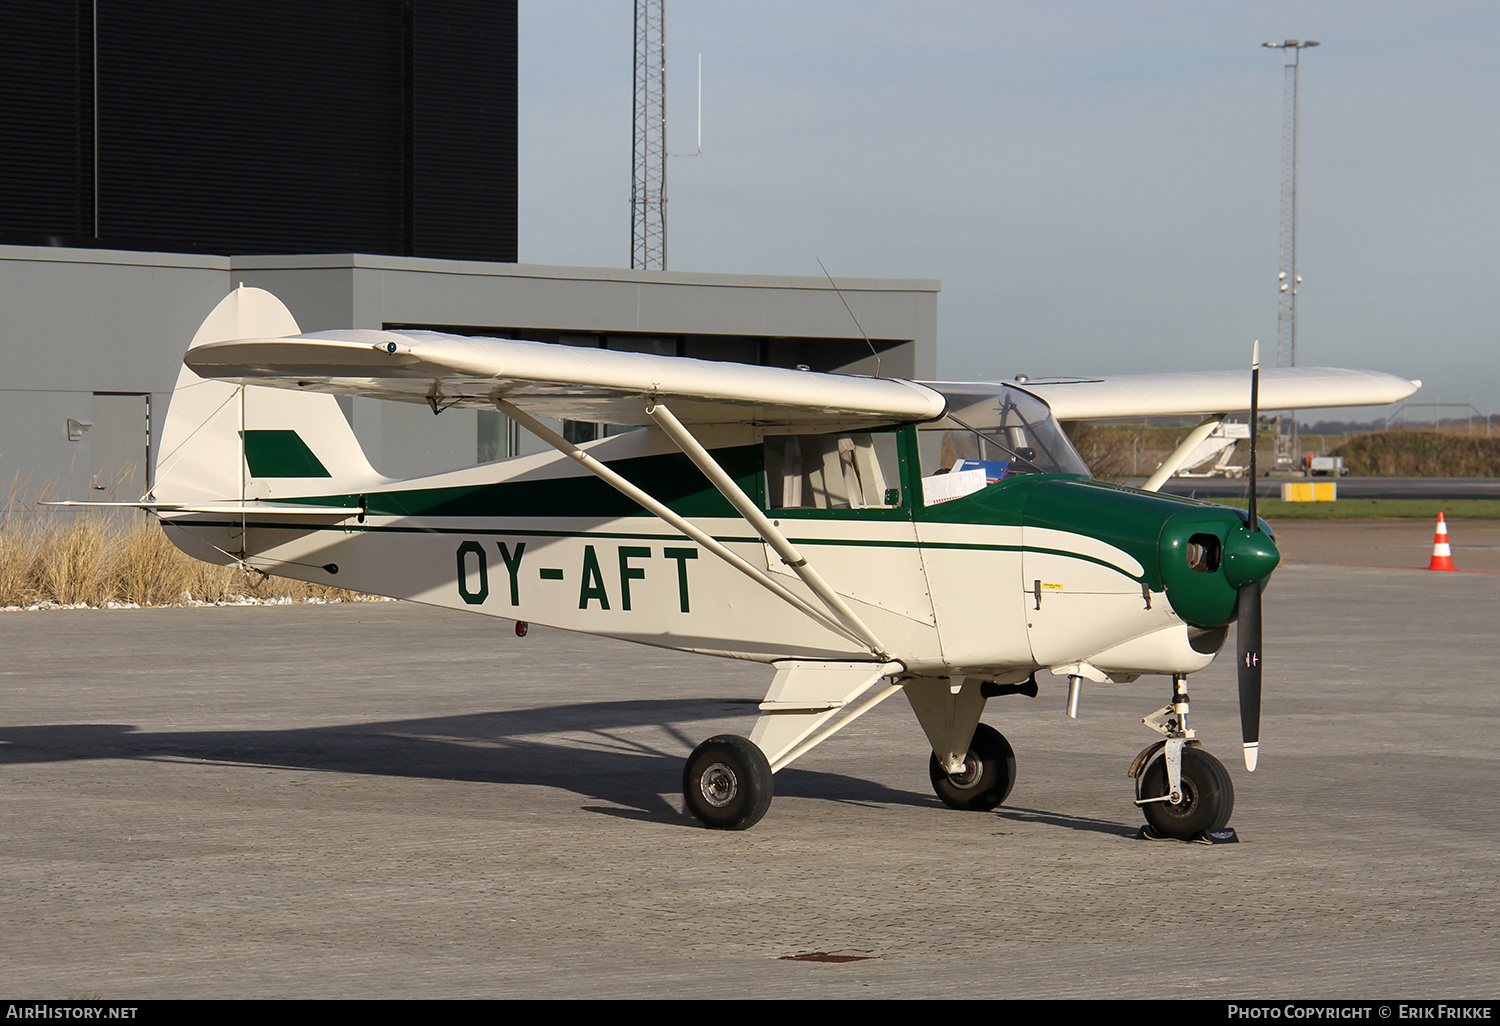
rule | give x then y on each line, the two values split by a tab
1286	278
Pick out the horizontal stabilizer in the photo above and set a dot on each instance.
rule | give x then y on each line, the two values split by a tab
236	507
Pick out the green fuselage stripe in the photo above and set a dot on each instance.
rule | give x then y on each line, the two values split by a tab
642	536
1126	519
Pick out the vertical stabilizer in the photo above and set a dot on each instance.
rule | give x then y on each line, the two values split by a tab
223	441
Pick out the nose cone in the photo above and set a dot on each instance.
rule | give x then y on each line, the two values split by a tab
1206	555
1249	556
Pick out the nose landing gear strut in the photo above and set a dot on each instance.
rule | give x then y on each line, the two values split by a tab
1184	792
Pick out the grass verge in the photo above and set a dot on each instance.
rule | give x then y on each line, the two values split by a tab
1373	509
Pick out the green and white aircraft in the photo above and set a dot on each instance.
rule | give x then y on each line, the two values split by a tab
863	536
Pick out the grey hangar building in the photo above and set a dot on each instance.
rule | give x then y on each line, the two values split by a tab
357	159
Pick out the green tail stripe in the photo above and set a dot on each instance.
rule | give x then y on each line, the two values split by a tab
280	453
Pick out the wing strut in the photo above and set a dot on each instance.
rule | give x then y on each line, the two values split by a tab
1179	455
705	462
650	504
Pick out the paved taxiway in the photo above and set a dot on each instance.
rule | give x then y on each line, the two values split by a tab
381	800
1394	544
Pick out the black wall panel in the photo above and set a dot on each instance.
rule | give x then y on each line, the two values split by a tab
262	126
464	81
46	118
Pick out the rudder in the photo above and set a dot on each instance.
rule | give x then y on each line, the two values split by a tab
294	443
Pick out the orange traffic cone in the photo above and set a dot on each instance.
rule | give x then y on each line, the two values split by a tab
1442	554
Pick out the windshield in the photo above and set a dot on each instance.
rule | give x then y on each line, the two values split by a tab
997	429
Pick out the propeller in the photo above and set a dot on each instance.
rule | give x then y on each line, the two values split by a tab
1247	605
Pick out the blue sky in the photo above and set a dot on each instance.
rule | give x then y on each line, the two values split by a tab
1096	184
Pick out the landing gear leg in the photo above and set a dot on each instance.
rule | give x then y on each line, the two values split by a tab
1182	790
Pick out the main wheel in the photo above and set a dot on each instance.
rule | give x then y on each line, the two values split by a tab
988	775
727	783
1207	796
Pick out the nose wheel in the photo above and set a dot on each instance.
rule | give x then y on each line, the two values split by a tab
1182	790
1204	797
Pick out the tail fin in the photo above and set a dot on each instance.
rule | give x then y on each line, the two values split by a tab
222	441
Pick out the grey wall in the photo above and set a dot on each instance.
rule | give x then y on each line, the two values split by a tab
79	323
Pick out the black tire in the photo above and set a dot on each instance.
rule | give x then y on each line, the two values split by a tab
1207	796
989	773
727	783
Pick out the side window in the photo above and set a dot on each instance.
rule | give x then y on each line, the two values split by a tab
846	471
942	450
958	463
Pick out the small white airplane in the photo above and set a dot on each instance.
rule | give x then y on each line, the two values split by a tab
863	536
1213	455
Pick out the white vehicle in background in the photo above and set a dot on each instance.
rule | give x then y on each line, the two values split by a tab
1323	466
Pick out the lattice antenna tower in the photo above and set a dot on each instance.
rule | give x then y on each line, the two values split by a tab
648	191
1286	276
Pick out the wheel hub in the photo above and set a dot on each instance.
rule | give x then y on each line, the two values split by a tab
718	785
969	775
1181	802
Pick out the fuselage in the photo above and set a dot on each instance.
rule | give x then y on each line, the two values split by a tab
1035	566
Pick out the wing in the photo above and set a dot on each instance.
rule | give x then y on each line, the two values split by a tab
1208	392
568	382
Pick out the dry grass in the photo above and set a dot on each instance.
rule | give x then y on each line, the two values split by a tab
96	559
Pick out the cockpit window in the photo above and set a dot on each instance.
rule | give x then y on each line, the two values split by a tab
990	434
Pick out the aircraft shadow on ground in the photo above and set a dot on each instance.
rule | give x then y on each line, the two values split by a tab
1016	814
601	751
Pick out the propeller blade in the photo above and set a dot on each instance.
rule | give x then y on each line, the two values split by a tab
1254	430
1248	639
1247	635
